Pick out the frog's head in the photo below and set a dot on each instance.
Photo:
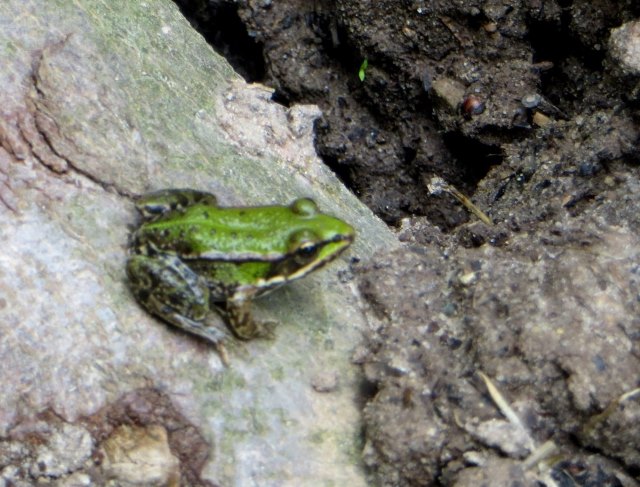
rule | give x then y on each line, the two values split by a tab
314	240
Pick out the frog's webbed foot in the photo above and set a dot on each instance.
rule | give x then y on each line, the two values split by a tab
242	323
169	289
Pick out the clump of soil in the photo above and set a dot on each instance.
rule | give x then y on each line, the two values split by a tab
530	109
411	117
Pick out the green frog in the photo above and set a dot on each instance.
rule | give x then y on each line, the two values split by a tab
190	256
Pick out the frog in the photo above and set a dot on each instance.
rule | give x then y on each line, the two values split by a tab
190	256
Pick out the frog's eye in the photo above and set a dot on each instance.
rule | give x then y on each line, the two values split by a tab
304	244
304	207
307	249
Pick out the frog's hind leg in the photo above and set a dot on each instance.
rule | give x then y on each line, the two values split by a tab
169	289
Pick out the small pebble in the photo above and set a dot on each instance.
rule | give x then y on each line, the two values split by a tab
472	105
427	80
490	27
325	381
531	100
540	119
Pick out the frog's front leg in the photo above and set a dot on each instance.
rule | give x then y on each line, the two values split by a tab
169	289
242	322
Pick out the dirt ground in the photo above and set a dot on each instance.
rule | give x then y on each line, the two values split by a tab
530	109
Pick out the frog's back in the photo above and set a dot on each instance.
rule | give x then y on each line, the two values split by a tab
204	231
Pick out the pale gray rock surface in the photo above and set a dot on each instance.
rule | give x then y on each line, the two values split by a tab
624	47
101	101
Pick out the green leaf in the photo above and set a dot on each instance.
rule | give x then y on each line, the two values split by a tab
363	69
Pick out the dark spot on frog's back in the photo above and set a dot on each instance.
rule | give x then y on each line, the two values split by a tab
184	248
205	214
143	294
182	200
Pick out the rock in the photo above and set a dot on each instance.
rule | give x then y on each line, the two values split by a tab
65	450
624	47
102	101
140	456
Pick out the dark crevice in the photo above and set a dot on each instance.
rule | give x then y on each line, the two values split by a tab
474	158
331	157
343	52
367	391
634	471
223	29
555	44
281	98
